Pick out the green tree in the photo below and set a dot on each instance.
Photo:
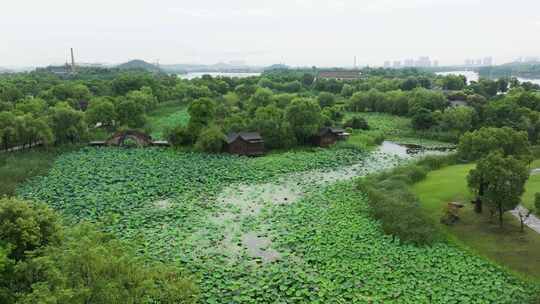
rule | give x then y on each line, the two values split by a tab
34	106
422	119
477	144
8	129
326	99
202	111
409	84
67	124
25	227
210	140
144	97
454	82
261	98
92	267
459	119
100	110
357	122
304	116
32	129
269	121
347	91
502	180
131	113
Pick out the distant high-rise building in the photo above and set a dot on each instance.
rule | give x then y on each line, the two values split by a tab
409	62
387	64
488	61
435	63
423	62
396	64
478	61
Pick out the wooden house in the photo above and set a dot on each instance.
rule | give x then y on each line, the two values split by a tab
328	136
245	143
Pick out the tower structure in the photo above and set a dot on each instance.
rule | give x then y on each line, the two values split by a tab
72	61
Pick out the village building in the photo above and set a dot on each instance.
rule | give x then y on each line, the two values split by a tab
328	136
345	75
245	143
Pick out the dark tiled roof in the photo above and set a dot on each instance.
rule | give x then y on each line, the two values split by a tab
247	136
336	131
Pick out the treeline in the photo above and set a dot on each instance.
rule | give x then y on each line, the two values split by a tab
447	116
525	70
286	107
40	107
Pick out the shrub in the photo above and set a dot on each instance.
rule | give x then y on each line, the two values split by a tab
396	207
179	136
400	216
434	162
537	202
357	122
210	140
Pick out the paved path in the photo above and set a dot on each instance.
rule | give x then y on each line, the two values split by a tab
532	221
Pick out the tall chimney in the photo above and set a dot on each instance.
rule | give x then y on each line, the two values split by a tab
72	61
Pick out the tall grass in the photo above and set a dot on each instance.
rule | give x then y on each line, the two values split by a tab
17	167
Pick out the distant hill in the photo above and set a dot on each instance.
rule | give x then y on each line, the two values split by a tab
138	64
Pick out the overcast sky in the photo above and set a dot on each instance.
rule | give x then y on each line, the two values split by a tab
260	32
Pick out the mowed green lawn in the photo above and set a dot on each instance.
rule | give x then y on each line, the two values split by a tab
508	246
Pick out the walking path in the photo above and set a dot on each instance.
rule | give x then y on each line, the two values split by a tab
532	221
25	147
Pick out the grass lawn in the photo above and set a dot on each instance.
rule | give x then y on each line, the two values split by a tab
166	115
518	251
389	127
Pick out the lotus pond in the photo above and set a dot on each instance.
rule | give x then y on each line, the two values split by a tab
286	228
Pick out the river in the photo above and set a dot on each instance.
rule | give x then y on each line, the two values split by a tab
473	76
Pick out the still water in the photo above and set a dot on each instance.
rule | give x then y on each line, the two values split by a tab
473	76
216	74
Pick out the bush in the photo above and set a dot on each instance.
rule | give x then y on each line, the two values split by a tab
179	136
396	207
357	122
434	162
537	202
400	215
210	140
